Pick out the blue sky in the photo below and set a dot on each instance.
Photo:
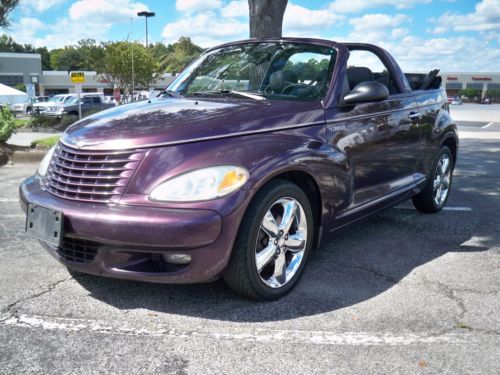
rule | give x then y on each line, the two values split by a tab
454	35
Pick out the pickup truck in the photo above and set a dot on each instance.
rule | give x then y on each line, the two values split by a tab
256	154
90	103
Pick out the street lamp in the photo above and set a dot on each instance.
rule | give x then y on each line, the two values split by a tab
146	15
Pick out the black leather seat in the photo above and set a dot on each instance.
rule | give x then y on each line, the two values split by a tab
279	79
358	74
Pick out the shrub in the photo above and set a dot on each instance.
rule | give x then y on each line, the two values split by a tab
7	124
45	142
41	121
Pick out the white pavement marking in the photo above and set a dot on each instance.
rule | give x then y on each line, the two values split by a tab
444	208
233	333
13	216
487	125
457	209
3	200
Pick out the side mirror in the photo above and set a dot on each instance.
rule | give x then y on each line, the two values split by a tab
366	92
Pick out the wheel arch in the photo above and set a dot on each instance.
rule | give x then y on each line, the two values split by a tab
307	183
451	142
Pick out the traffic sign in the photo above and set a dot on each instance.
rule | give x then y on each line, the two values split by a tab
77	77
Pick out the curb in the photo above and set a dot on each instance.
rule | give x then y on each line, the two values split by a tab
27	156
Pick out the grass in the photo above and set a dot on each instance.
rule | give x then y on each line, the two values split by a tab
45	143
20	122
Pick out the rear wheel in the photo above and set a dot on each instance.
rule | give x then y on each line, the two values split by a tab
273	243
435	193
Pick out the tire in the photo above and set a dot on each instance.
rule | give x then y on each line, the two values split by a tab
288	249
431	199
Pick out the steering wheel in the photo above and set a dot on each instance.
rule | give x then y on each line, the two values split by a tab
291	85
268	88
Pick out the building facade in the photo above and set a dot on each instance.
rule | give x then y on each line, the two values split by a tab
26	68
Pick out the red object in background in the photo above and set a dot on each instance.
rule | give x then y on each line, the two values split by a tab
452	78
481	78
117	94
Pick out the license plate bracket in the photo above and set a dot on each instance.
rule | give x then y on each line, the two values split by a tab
44	223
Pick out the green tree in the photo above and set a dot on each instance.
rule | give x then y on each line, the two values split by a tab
6	6
116	68
470	93
179	55
67	58
92	54
7	124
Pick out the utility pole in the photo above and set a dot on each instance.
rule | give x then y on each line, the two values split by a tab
146	15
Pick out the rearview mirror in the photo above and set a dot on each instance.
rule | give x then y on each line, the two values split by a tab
365	92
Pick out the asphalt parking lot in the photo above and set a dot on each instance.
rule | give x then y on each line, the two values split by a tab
402	292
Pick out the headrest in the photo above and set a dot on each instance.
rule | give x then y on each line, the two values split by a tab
358	74
279	78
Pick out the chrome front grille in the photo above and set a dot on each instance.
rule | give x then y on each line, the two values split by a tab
91	176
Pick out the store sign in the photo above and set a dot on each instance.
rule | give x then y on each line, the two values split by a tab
452	78
481	78
77	77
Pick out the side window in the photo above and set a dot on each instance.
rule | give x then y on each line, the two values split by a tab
87	100
96	100
366	66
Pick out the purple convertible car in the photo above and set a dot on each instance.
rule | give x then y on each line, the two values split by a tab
254	154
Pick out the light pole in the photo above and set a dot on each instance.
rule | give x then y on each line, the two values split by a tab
146	15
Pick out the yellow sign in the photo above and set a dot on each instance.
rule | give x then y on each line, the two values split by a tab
77	77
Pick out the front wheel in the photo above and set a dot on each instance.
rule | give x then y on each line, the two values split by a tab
273	243
434	195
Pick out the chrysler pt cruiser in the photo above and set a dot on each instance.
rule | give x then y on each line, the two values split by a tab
258	151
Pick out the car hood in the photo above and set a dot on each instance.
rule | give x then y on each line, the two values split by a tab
180	120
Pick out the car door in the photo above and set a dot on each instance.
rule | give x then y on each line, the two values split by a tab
381	140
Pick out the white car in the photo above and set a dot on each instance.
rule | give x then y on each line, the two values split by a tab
53	101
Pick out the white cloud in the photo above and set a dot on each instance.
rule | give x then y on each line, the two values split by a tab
354	6
303	19
105	12
206	29
196	5
486	17
40	5
85	19
236	8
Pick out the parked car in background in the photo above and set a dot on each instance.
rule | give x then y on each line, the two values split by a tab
486	100
211	181
89	103
55	100
456	101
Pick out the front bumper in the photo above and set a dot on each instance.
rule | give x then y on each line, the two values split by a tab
127	242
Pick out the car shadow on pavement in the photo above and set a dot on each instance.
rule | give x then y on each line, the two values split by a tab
358	264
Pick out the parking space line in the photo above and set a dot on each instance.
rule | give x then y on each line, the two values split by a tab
4	200
447	208
487	125
260	335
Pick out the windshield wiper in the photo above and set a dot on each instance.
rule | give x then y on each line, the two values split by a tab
231	92
172	94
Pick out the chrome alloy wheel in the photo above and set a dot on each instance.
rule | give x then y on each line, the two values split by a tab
281	242
442	179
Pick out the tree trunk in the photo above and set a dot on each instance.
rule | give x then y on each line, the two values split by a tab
266	18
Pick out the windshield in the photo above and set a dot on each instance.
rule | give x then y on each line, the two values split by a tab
71	100
287	71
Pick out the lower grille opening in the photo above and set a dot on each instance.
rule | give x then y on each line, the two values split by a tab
77	251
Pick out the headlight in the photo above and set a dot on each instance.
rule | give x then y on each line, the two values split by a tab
200	185
44	165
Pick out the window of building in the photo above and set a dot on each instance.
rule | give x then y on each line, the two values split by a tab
453	86
11	80
475	85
